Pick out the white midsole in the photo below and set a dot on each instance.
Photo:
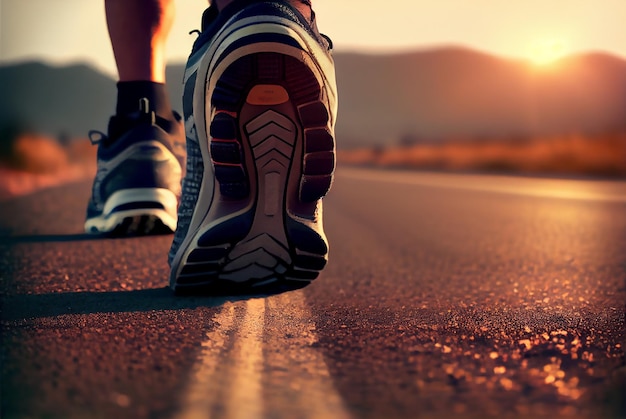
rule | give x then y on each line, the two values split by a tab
110	218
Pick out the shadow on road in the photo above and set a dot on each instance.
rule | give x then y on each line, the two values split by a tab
24	306
49	238
28	306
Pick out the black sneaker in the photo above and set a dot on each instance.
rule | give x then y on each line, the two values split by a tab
138	182
260	106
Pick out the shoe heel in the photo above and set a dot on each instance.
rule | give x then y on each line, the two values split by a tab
273	155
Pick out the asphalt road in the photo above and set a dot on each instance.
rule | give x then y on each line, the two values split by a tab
446	295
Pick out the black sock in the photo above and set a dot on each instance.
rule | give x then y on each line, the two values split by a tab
130	92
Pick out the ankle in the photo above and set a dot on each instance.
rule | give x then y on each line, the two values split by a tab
129	93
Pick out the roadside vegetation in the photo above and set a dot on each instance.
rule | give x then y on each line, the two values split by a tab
31	161
600	155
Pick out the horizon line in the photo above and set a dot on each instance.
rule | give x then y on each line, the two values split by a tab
371	52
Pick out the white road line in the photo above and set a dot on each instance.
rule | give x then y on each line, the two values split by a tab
545	188
201	393
229	378
245	396
312	389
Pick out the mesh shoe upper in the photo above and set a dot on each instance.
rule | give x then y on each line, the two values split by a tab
142	150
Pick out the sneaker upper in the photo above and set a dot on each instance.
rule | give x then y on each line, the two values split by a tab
141	150
212	21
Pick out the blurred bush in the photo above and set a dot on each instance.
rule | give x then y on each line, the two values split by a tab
28	151
600	155
31	161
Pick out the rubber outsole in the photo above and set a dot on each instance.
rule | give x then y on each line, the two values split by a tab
133	225
140	225
273	156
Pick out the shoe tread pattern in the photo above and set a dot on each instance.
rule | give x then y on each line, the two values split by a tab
265	244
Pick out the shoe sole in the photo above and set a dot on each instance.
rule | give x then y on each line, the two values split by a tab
136	212
273	159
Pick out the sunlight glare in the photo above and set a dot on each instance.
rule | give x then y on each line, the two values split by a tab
546	52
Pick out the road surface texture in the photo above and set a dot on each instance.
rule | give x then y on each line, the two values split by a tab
445	296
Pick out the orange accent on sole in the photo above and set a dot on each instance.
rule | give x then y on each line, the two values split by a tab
267	94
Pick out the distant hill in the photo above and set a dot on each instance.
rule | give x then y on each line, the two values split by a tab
422	96
66	100
461	93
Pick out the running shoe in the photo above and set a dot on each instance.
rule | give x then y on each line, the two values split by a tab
260	104
138	181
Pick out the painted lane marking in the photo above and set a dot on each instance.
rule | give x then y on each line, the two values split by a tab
309	391
244	398
200	395
259	362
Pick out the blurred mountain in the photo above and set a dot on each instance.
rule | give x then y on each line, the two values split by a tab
55	100
412	97
452	93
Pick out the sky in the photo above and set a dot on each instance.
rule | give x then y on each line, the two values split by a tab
70	31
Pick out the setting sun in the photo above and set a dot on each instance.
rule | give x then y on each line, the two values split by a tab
546	52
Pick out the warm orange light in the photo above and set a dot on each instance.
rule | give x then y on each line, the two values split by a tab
546	52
